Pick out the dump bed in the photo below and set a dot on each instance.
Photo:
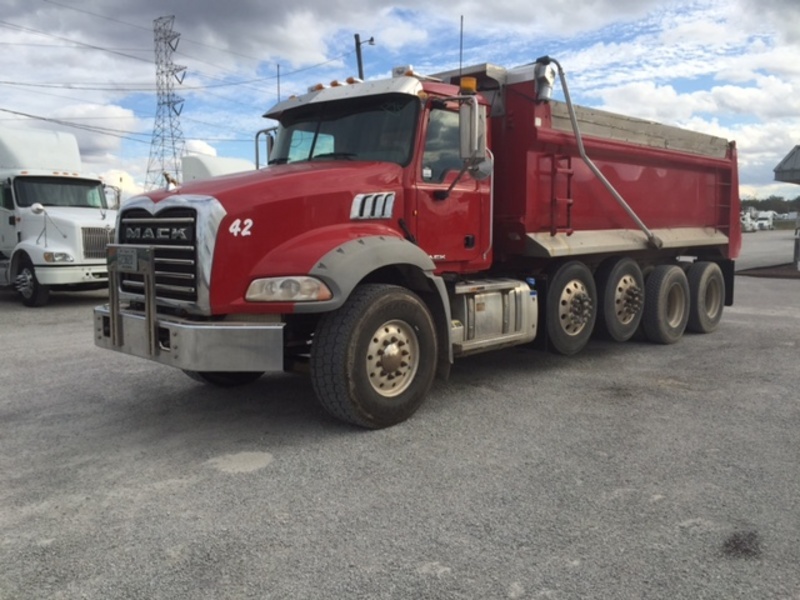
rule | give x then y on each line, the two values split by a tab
682	185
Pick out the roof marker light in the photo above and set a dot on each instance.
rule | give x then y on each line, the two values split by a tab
469	85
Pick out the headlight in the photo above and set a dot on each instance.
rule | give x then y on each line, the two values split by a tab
55	257
288	289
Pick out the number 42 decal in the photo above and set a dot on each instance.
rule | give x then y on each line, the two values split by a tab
241	227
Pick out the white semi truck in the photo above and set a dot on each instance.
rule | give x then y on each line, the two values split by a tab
55	222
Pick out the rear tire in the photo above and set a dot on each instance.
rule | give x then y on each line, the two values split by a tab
707	296
620	294
225	379
571	308
666	304
374	360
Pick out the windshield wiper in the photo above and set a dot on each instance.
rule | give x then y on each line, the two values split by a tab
279	161
345	155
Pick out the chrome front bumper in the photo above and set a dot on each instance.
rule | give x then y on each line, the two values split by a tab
212	346
177	342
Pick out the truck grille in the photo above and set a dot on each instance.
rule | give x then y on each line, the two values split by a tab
172	233
95	240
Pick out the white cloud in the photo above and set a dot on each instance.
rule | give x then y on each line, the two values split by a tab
726	64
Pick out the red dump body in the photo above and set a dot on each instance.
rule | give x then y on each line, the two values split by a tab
681	184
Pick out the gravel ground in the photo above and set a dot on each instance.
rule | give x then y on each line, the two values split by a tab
628	471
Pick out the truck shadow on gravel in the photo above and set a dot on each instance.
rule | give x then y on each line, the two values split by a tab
284	406
9	298
280	405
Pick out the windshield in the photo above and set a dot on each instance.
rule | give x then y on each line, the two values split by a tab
58	191
369	128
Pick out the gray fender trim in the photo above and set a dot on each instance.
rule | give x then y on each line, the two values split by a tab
344	267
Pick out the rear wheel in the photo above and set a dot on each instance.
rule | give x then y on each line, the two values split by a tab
620	294
374	359
225	379
666	304
707	296
30	290
570	312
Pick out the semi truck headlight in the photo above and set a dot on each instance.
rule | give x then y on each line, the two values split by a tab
56	257
288	289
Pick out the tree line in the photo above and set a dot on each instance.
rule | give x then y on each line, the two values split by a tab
777	203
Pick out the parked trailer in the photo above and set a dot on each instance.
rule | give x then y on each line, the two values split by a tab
406	222
204	167
55	222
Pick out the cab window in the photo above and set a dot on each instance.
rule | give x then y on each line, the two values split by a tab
442	153
8	201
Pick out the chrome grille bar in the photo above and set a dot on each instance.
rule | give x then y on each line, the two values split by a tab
172	235
95	240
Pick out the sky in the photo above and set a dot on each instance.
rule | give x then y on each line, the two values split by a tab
725	67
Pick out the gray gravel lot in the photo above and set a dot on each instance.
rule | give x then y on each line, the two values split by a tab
628	471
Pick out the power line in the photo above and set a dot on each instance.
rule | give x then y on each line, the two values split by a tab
118	133
63	39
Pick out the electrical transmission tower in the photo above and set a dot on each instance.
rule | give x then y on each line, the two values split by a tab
167	145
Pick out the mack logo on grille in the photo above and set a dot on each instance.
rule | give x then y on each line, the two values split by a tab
163	234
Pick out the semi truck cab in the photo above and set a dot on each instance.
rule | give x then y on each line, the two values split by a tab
55	222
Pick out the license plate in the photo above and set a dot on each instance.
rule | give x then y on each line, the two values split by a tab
128	260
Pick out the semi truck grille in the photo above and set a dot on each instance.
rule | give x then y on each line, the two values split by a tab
172	233
95	240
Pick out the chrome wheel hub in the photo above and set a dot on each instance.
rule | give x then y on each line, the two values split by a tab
392	358
575	307
627	299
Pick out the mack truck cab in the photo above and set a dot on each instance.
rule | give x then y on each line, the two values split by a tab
403	223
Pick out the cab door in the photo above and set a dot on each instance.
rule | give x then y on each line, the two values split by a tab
453	230
8	222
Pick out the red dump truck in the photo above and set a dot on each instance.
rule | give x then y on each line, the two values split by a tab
403	223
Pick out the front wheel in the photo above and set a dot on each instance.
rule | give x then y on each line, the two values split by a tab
373	360
30	290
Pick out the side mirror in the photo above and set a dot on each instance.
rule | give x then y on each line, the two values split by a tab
37	208
269	141
482	170
112	194
472	125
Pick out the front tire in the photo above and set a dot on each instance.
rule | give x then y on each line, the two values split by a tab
373	360
666	304
707	296
571	308
30	290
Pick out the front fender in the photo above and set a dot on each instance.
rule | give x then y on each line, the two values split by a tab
345	259
341	257
343	267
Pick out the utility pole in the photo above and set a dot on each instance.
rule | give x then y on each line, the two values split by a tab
371	42
167	144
